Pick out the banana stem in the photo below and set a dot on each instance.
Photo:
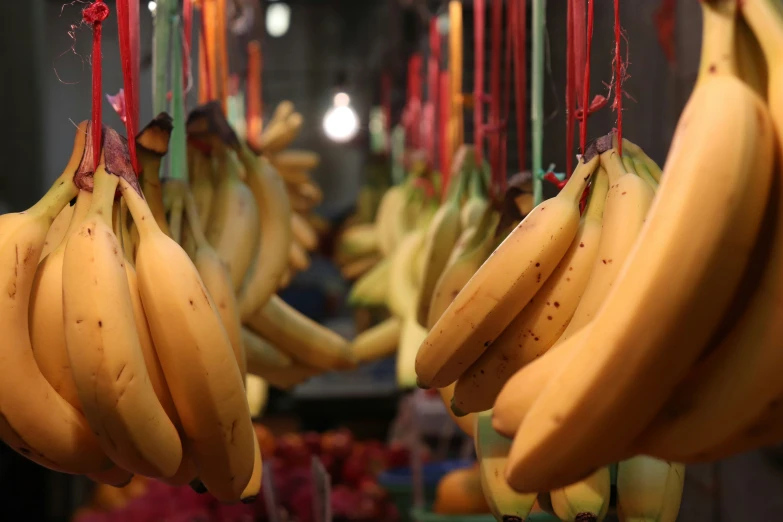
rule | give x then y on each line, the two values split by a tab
537	96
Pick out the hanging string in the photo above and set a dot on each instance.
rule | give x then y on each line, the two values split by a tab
129	76
207	54
619	73
254	93
456	123
444	129
478	78
433	87
503	176
586	87
537	96
94	15
135	45
496	25
519	24
221	54
570	86
187	30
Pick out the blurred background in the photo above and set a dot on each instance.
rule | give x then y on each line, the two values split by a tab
313	49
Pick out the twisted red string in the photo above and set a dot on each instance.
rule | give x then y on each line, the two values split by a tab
129	75
619	74
586	89
506	99
207	64
433	87
94	15
443	128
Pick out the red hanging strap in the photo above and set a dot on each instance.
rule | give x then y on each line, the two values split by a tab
519	20
503	174
444	130
586	88
130	78
665	19
570	85
94	15
479	13
412	116
254	120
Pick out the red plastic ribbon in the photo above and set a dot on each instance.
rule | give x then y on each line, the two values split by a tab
130	76
479	12
665	19
412	117
496	26
254	113
444	131
94	15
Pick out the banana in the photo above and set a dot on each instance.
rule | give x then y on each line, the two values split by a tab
586	500
540	323
200	173
300	337
377	342
57	231
233	228
704	413
257	392
276	138
389	210
649	490
35	420
523	388
288	377
106	359
271	259
372	288
657	319
640	157
217	280
358	241
751	64
296	159
359	267
297	257
208	391
629	165
411	337
491	452
476	204
47	330
439	240
469	253
503	285
115	477
253	487
402	288
644	172
303	232
627	204
466	423
261	353
174	203
152	144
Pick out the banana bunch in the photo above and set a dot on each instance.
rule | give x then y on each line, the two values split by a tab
678	304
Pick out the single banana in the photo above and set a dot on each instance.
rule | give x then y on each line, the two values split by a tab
203	192
208	391
261	353
357	268
403	292
358	241
469	253
372	288
115	477
640	157
257	392
35	420
492	452
649	490
217	279
705	414
627	204
300	337
751	63
476	204
297	159
271	259
47	330
583	501
233	228
537	327
439	240
106	359
388	212
297	257
57	231
253	487
377	342
503	285
658	319
411	337
303	232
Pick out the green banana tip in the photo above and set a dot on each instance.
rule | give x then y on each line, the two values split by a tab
456	410
511	518
421	385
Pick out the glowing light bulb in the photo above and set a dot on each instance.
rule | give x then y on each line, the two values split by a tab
152	6
278	19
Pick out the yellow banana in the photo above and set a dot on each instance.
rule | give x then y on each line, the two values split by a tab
303	232
492	452
200	174
106	359
537	327
358	241
47	330
657	319
208	391
751	64
389	210
261	353
297	257
377	342
34	420
57	231
627	204
587	499
372	288
257	392
503	285
115	477
705	414
649	490
359	267
411	336
152	144
297	159
253	486
217	279
640	157
300	337
402	289
271	259
233	227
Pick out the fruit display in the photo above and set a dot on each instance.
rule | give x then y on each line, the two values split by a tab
353	466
